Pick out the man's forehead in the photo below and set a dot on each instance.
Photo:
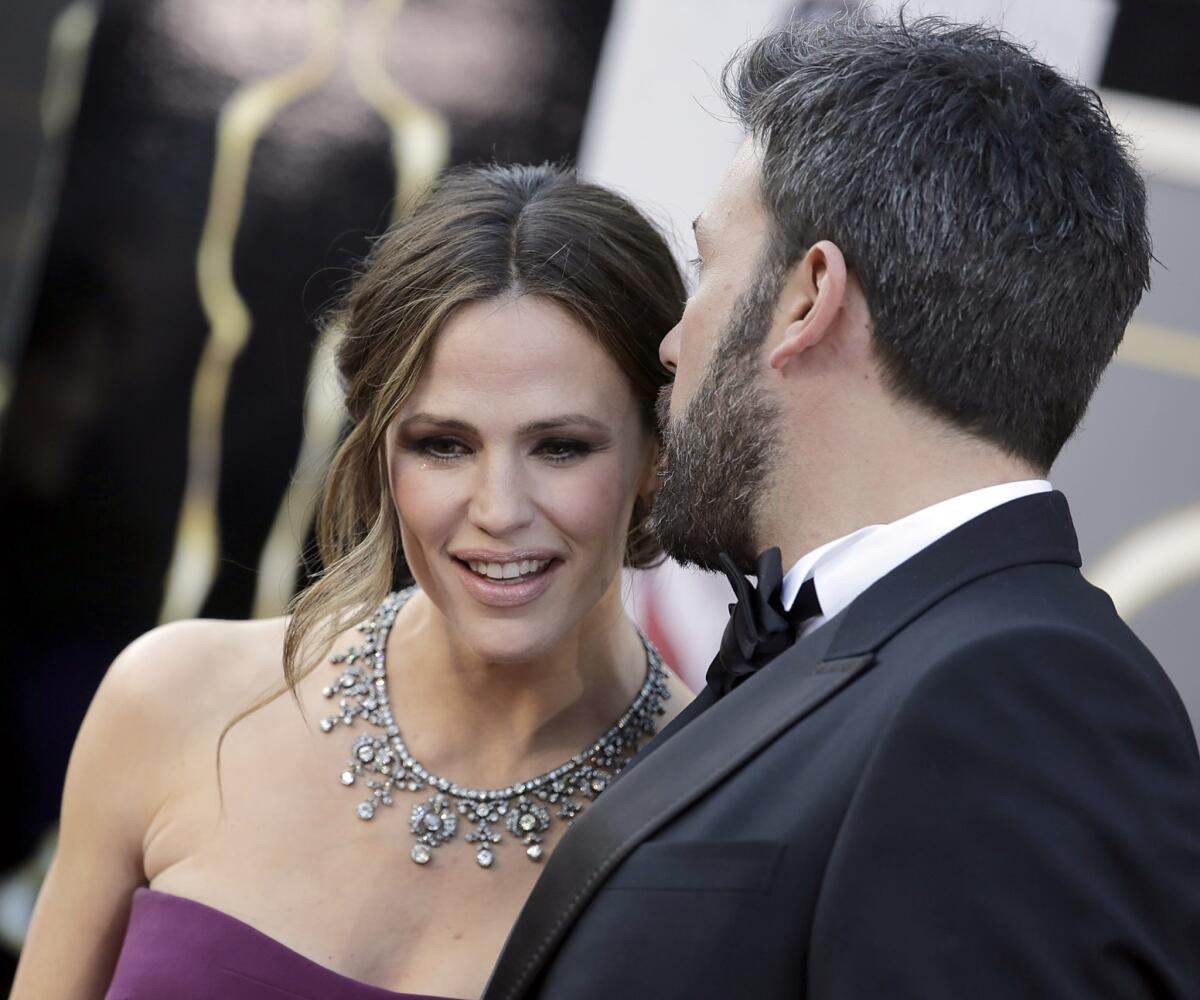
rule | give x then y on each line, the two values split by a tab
736	195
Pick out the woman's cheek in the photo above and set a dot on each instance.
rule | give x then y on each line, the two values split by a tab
590	504
426	499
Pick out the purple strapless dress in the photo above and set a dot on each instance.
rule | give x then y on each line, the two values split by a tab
178	948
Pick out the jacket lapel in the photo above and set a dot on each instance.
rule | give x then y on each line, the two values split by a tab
666	781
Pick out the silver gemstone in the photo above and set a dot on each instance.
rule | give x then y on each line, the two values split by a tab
421	854
527	822
484	858
432	821
534	852
366	754
366	810
347	777
326	725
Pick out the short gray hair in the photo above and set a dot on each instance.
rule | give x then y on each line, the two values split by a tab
987	206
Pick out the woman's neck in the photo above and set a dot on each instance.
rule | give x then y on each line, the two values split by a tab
489	724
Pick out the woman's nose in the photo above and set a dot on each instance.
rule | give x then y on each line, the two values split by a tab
500	503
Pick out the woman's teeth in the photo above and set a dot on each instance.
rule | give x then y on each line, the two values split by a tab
509	570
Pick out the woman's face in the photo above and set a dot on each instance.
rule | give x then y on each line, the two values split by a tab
514	467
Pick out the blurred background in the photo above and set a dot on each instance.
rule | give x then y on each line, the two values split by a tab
186	185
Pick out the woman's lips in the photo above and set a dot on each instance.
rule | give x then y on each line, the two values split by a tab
506	593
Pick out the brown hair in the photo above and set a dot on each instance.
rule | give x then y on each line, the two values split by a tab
478	233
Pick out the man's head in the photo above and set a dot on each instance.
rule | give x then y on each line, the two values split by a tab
931	190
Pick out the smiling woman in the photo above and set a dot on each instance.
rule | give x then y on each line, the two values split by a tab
517	312
516	466
501	369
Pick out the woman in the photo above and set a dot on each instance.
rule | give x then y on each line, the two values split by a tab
376	833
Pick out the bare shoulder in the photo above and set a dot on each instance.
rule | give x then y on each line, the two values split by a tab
172	691
188	670
166	691
158	719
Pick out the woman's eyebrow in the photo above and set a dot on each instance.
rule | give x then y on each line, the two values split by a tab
446	423
565	420
533	427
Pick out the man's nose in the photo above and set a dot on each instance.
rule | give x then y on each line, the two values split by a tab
501	503
668	350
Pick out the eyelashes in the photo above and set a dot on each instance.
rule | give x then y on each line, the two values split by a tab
439	449
554	451
559	451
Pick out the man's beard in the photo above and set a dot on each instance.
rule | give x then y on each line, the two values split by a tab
717	457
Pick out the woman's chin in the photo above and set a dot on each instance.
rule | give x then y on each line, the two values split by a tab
512	636
508	642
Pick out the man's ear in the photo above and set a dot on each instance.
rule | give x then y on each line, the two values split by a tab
811	299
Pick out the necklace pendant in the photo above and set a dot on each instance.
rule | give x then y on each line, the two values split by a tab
484	856
528	818
433	823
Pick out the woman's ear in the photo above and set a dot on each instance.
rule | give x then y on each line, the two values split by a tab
811	299
640	544
648	482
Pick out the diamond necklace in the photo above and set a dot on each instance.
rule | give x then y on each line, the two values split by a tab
385	765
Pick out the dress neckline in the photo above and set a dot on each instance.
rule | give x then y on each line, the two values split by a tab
376	992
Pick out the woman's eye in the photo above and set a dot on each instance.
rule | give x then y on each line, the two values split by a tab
563	450
441	449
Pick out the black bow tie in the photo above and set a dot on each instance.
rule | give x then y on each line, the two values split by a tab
759	629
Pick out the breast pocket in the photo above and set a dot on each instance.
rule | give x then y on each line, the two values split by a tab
745	866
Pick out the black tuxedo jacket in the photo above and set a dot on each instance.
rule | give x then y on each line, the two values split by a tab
973	783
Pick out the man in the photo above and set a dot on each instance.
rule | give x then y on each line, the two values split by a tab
931	761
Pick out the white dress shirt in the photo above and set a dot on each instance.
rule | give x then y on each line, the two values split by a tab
844	568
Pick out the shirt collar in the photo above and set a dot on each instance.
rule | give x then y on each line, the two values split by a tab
844	568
